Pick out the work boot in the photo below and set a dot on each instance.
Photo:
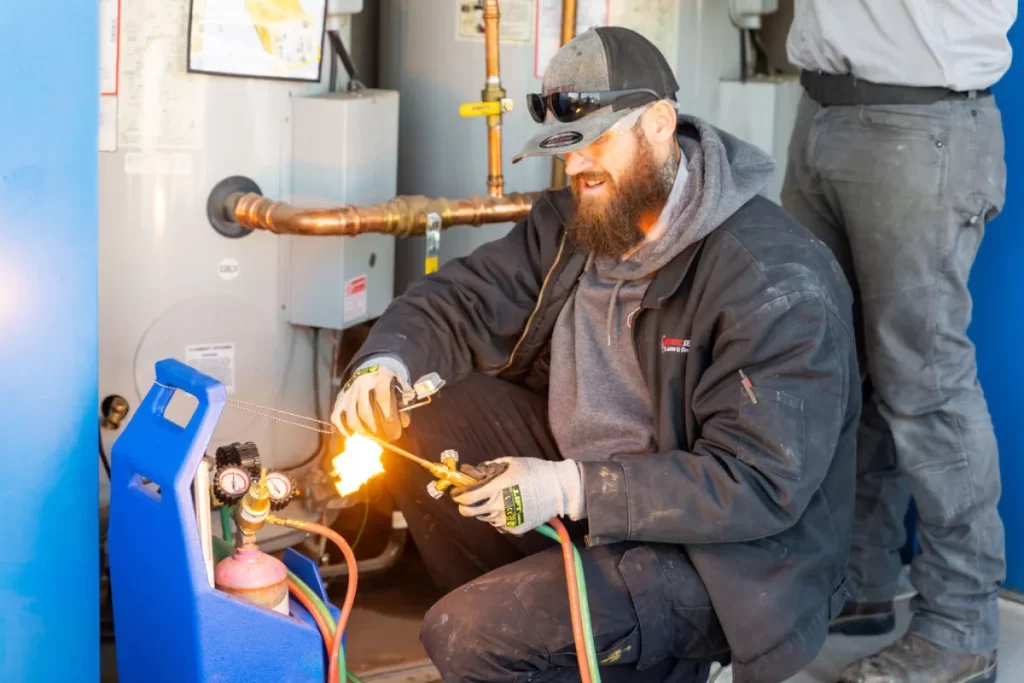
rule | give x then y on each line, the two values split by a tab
864	619
914	660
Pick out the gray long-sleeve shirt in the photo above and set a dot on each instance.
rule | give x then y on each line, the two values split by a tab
956	44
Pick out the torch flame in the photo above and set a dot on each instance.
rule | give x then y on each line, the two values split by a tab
356	464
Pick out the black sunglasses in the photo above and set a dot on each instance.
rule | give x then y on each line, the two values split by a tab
572	106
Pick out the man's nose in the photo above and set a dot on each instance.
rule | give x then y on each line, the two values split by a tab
576	163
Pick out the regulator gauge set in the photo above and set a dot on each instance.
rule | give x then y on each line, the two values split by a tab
238	465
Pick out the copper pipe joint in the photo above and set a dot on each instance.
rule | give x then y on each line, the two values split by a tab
495	179
403	216
493	92
255	507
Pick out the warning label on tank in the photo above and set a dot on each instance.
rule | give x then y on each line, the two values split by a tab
215	360
355	298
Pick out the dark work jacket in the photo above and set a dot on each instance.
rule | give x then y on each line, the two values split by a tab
760	494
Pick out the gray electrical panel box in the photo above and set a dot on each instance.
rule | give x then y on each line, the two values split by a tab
344	151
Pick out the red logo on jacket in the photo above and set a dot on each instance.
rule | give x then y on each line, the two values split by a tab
673	345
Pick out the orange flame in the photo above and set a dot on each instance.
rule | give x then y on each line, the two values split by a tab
356	464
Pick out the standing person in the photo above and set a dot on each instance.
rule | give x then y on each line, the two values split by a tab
658	355
896	162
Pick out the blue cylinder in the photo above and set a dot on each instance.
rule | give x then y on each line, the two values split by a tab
49	545
998	327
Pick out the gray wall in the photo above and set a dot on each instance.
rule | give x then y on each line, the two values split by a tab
441	154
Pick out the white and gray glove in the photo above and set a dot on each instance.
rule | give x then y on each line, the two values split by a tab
525	493
368	403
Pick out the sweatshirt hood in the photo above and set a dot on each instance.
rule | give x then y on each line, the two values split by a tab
722	173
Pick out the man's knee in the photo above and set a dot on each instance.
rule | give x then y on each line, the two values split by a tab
475	633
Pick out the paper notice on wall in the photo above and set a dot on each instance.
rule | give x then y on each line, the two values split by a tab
214	360
514	26
355	298
589	13
258	38
161	105
110	32
656	20
108	123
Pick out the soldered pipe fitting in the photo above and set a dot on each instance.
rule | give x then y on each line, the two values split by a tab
254	509
403	216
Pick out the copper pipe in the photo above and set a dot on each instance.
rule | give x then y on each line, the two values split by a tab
568	20
495	179
493	92
402	216
558	178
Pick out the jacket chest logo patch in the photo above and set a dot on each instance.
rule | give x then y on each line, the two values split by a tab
673	345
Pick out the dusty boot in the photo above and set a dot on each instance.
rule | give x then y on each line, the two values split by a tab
914	660
864	619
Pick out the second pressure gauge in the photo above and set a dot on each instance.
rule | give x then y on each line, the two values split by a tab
282	489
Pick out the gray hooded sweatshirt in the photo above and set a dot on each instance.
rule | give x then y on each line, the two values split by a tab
598	403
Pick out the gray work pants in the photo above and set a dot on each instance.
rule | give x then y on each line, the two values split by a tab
902	195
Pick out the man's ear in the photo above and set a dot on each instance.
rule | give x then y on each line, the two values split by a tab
661	121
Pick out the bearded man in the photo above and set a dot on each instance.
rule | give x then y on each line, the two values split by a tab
660	357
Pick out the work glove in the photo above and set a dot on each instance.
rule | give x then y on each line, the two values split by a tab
517	495
368	403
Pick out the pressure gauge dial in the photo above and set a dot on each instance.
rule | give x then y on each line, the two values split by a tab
282	489
230	484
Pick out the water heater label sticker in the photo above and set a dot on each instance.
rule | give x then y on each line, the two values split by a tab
110	43
355	298
215	360
228	269
161	105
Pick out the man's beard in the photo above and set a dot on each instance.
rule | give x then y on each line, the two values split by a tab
610	225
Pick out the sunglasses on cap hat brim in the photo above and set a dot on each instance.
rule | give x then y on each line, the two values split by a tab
567	107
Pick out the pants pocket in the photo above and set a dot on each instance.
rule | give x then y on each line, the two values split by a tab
674	613
650	593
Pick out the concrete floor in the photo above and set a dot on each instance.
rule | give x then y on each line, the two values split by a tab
841	650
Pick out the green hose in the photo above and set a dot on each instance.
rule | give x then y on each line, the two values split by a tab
328	618
581	592
362	525
225	522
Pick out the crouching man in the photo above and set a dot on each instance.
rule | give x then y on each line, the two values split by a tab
659	356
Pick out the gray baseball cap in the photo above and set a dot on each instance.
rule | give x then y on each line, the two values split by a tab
602	59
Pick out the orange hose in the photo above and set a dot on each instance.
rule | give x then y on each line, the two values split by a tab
574	598
350	594
325	631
